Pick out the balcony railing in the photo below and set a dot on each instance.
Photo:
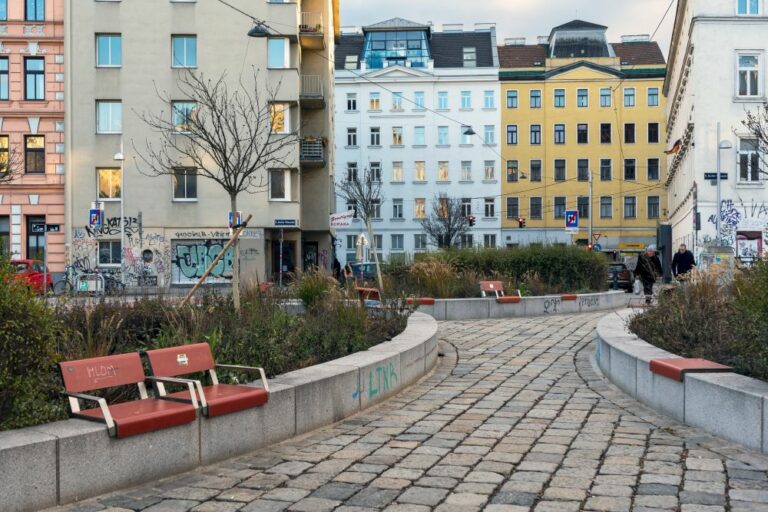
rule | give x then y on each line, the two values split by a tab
312	152
311	86
311	23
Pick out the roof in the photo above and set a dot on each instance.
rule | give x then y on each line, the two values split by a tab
640	53
395	24
522	56
631	54
580	25
348	44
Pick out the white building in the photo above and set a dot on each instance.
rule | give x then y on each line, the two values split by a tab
405	95
717	71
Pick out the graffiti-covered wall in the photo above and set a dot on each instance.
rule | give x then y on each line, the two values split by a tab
742	225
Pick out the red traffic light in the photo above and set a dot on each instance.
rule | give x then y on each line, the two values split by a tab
521	223
471	219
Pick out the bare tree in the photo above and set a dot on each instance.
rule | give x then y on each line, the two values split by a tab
365	194
11	165
756	124
446	222
232	136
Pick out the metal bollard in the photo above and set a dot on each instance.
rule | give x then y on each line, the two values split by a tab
615	279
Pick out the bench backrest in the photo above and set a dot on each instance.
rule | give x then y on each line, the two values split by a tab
491	286
175	361
102	372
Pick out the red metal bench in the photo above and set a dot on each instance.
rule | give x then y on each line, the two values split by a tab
676	368
509	300
216	399
569	296
126	418
368	294
495	287
420	301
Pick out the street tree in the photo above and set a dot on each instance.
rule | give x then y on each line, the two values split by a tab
446	222
11	165
756	124
364	194
230	132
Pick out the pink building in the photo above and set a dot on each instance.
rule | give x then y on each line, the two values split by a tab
32	127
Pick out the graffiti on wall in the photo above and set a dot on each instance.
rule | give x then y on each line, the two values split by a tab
191	258
738	216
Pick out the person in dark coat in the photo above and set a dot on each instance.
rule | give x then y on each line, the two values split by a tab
648	269
682	262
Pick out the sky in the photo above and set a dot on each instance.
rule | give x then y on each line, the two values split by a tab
518	18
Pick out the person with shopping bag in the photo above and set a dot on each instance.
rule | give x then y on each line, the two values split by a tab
648	270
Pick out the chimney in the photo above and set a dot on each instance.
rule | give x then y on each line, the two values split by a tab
543	39
484	27
453	27
514	41
638	38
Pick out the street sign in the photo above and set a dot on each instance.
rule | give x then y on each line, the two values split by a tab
712	176
342	220
285	222
38	228
236	219
597	247
572	221
94	217
53	228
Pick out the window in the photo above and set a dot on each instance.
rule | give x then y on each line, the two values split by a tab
470	57
352	207
352	102
513	171
109	117
35	10
559	207
749	160
442	135
183	112
535	208
536	170
536	99
466	100
418	99
654	207
582	133
5	235
513	208
748	74
606	207
582	205
559	170
630	171
352	137
466	170
397	101
374	101
490	170
748	7
606	169
511	99
397	243
420	242
4	17
419	137
397	208
559	134
466	241
536	134
420	208
489	100
350	63
466	138
629	97
489	132
35	241
490	207
34	78
605	97
4	153
582	98
351	171
653	133
489	241
466	207
376	211
419	171
351	243
185	51
4	84
278	53
34	154
185	184
630	207
109	50
559	98
397	172
110	252
605	133
109	183
279	185
443	173
397	135
653	96
375	136
653	169
376	171
442	100
511	134
629	133
582	166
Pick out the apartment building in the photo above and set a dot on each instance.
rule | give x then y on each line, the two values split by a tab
165	231
580	114
31	128
717	72
419	107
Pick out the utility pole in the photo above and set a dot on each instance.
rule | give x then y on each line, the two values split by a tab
717	207
589	242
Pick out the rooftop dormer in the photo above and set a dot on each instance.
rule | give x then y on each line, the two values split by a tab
579	39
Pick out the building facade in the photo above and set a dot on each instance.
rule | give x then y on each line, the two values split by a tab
580	114
31	128
118	57
717	63
406	96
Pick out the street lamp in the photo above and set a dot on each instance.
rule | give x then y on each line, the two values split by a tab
259	30
469	132
120	157
721	145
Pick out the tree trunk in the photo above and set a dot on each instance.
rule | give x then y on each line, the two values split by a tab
375	256
235	260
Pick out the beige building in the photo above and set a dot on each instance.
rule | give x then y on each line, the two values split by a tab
167	230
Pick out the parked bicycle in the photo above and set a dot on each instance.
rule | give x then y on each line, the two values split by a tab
66	285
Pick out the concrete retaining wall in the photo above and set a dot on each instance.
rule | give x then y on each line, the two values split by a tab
728	405
71	460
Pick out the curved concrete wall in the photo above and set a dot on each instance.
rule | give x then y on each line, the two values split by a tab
71	460
728	405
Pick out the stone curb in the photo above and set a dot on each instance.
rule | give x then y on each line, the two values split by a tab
66	461
727	405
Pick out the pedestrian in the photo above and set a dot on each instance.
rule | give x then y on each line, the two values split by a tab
348	273
682	262
337	269
648	269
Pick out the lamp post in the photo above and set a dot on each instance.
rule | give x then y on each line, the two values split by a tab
120	157
721	145
589	242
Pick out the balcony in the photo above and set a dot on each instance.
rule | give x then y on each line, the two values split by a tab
312	95
311	35
312	152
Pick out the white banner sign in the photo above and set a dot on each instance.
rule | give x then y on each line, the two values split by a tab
342	220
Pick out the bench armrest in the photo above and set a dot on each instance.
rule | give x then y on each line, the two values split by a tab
250	369
192	385
75	405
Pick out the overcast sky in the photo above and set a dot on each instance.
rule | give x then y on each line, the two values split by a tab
518	18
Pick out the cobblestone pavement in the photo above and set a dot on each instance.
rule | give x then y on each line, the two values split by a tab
513	419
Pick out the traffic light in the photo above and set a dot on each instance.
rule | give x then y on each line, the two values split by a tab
521	223
471	220
589	247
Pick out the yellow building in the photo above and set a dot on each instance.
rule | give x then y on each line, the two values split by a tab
578	107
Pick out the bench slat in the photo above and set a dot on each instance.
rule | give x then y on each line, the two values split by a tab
101	372
175	361
676	368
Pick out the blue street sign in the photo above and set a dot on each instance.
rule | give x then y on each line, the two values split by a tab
572	219
597	247
236	219
712	176
94	217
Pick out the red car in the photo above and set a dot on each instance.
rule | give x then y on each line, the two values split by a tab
32	272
